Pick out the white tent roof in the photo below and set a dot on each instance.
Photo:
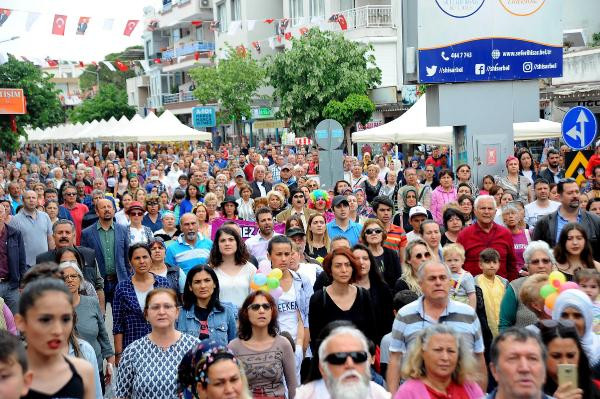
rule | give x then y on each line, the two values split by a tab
411	128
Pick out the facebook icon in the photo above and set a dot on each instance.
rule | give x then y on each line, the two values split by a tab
479	69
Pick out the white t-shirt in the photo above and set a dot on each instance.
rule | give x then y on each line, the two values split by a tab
287	309
234	289
533	212
310	271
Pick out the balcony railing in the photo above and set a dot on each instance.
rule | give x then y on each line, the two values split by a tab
178	97
187	49
369	17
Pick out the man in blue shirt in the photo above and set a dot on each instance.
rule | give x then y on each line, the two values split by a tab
342	225
190	248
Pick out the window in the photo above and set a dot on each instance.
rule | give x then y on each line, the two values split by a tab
222	16
296	11
317	8
236	10
199	34
346	5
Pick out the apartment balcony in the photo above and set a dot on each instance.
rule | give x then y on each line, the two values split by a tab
175	11
189	48
368	21
181	97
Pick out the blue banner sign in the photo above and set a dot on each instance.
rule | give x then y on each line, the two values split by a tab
204	117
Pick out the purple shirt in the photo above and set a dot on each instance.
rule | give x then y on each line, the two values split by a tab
4	272
520	243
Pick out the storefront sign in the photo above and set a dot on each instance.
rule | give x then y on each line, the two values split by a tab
262	113
272	124
489	40
12	102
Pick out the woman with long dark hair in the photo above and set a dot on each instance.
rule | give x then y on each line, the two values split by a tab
317	239
373	235
573	251
526	165
230	260
267	357
192	197
203	315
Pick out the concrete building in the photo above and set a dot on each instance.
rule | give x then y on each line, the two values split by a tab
66	79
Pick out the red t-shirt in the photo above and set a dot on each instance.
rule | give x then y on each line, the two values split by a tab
249	171
453	391
77	213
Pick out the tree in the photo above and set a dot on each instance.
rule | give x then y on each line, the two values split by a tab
232	83
106	76
109	102
43	105
355	108
320	67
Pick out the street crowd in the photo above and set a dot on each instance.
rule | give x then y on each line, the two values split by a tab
141	274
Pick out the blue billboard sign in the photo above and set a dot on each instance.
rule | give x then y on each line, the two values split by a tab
204	117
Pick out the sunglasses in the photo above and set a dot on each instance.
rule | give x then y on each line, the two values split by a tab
151	203
423	255
70	194
256	306
373	231
136	214
299	196
339	358
544	261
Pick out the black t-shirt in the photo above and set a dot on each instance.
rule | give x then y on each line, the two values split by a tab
202	315
316	252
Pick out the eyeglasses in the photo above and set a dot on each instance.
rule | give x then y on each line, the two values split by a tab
423	255
68	277
136	214
151	203
544	261
373	231
70	194
301	196
339	358
166	306
256	306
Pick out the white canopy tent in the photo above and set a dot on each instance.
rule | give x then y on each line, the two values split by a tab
411	128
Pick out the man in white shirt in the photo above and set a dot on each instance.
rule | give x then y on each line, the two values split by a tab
542	205
257	244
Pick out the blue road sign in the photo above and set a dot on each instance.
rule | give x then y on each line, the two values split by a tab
579	128
204	117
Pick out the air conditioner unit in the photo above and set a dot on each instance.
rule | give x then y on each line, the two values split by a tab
205	3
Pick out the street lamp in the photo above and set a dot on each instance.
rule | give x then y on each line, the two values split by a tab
11	39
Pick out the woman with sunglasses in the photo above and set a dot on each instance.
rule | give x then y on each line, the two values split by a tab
417	252
90	320
173	274
267	358
573	251
203	315
373	235
342	299
539	259
138	233
211	371
439	365
148	368
563	346
129	322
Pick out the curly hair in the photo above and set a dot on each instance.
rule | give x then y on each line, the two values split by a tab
318	195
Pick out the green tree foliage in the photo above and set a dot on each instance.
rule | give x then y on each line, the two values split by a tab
109	102
354	108
320	67
118	78
43	105
232	83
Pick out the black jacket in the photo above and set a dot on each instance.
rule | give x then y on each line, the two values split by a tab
256	191
15	252
90	269
547	175
546	227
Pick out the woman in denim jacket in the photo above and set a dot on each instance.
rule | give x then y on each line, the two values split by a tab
203	315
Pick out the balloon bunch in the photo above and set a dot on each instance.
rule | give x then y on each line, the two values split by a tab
267	279
557	283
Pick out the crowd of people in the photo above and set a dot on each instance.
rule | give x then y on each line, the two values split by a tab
146	276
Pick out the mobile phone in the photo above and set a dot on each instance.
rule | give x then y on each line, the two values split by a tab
568	373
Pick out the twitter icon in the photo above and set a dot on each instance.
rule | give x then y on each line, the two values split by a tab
431	70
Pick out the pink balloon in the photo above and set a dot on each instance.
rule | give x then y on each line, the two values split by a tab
569	285
276	293
547	310
556	283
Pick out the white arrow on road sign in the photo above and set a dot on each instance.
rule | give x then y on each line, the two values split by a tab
579	134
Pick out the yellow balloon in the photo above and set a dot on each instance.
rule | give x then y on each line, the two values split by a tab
264	288
276	274
557	276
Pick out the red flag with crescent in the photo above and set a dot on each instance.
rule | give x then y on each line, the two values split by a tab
342	21
288	35
197	24
130	26
269	20
122	67
58	27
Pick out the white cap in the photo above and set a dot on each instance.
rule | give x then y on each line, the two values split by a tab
417	210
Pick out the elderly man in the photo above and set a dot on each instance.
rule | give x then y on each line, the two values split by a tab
259	186
485	233
190	248
518	365
344	363
433	307
35	227
298	207
549	227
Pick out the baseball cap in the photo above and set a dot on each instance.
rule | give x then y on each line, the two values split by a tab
287	166
338	199
135	205
75	152
238	173
417	210
294	231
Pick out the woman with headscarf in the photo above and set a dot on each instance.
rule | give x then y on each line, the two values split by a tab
363	207
409	200
576	306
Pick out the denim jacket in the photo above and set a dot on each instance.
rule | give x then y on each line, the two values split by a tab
304	291
221	323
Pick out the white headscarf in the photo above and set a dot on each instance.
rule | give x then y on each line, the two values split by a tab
577	299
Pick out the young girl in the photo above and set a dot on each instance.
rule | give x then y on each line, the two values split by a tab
463	284
589	282
487	183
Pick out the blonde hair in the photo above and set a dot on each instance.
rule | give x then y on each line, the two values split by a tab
414	367
211	197
309	233
408	275
456	249
277	194
530	290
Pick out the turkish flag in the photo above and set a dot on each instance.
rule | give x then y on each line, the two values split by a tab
196	55
51	63
288	35
157	61
122	67
58	28
269	20
130	26
342	21
197	23
303	30
81	64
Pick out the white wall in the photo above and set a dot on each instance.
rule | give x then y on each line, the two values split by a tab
582	14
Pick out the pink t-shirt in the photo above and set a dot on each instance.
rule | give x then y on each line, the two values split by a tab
520	241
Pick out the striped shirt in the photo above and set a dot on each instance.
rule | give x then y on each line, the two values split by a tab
396	238
411	319
182	254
